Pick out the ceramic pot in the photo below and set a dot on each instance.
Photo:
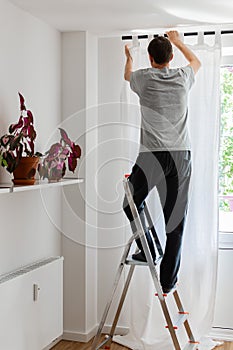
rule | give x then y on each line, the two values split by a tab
25	172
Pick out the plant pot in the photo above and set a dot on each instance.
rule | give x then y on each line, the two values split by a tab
53	179
25	172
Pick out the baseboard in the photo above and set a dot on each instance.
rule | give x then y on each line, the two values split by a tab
86	337
57	340
80	337
118	331
222	333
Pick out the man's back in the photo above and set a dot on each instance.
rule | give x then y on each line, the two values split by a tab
163	95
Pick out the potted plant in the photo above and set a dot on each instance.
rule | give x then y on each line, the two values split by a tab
18	146
53	164
2	160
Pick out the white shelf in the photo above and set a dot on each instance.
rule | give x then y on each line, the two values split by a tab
40	184
4	188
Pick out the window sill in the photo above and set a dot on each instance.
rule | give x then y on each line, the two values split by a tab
225	240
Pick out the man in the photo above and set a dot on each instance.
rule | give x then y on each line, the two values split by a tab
164	158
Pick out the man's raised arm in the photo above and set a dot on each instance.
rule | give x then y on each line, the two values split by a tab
128	64
174	38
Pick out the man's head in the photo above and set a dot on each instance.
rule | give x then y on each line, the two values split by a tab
160	50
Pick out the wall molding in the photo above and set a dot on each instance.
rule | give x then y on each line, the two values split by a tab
118	331
86	337
222	333
54	342
80	337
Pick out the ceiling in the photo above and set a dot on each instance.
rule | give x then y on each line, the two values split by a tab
108	17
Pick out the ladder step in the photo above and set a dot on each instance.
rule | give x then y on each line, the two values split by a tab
191	346
179	320
131	261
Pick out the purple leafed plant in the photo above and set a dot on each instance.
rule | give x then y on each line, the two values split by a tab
20	140
53	165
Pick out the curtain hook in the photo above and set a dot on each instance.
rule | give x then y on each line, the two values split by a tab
182	36
200	40
218	37
135	41
150	37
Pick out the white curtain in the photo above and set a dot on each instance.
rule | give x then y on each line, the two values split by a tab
197	277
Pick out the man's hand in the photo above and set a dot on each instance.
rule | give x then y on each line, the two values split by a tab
127	52
128	65
173	36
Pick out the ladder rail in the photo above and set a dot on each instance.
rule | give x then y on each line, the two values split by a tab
142	237
181	310
154	233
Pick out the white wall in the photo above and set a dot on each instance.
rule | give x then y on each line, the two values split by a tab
32	55
29	63
73	101
79	114
91	180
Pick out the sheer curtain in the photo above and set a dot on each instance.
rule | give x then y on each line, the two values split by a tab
197	277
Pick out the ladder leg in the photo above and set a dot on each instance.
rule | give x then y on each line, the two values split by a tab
121	302
120	305
108	305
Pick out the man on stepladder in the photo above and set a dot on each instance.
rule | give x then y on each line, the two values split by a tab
164	158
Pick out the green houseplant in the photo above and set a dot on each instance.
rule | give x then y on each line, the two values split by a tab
18	148
54	164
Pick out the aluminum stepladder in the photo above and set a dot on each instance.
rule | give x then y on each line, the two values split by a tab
172	325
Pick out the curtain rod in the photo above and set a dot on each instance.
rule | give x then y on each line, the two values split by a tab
129	37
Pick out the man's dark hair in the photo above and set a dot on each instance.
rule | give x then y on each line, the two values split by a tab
160	49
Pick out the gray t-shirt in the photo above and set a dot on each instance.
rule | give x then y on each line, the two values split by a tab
163	95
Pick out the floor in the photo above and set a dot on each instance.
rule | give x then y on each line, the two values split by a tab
226	346
70	345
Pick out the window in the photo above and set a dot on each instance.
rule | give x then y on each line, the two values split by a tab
226	152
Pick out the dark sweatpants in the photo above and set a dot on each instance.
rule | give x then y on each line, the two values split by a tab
170	172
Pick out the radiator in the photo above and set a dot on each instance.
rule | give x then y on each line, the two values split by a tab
31	306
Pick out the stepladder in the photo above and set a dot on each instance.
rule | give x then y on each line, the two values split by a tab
172	322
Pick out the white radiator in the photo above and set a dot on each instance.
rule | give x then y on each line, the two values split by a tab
31	306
